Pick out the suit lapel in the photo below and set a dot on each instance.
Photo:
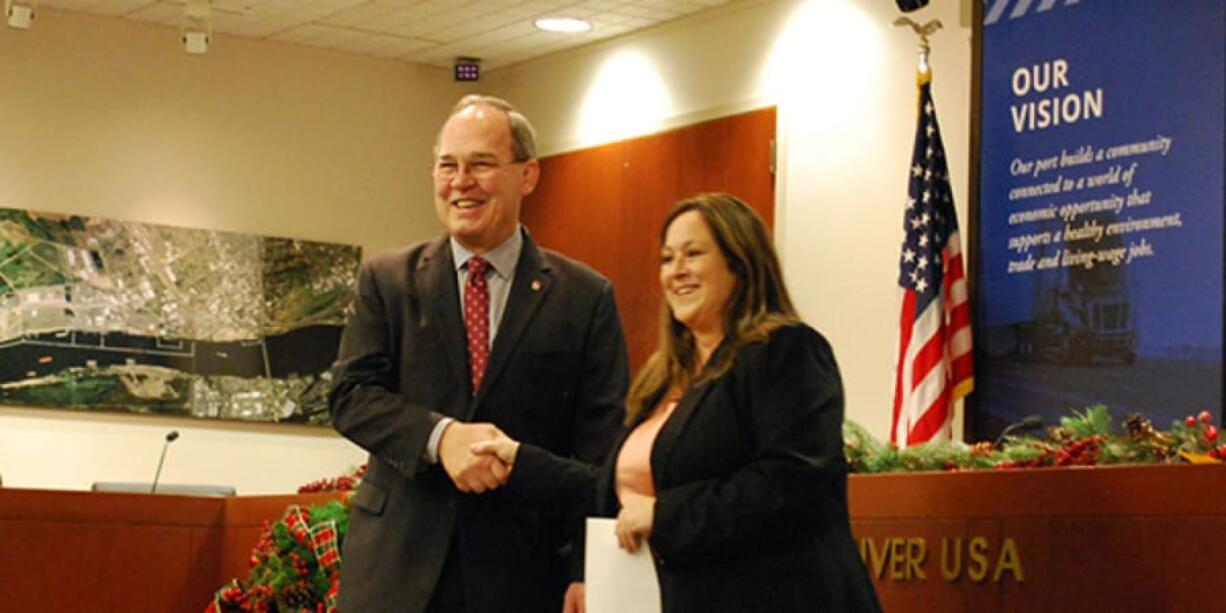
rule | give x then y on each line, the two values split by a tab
670	433
442	297
528	289
648	407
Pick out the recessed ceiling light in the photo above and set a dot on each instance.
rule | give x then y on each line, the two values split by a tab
566	25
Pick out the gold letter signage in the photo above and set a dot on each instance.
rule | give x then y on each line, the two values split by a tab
977	559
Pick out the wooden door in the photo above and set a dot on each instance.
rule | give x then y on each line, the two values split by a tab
604	205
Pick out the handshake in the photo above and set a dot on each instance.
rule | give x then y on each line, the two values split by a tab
478	457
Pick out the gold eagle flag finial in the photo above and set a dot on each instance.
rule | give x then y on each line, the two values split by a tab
922	31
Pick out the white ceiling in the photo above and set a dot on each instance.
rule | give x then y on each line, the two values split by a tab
499	32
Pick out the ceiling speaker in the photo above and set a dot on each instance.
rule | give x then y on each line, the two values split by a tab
907	6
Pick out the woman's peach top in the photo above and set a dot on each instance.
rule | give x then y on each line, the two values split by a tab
634	460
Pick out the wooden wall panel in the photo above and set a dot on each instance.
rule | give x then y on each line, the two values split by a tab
604	205
576	207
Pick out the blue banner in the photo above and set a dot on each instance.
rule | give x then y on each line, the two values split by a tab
1100	209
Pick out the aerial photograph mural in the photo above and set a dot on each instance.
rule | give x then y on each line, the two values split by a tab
105	315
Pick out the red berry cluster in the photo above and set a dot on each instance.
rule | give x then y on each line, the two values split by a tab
1080	452
343	483
1083	451
234	595
256	599
266	542
302	568
1205	434
265	546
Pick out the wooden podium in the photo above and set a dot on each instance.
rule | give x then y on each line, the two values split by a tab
1062	539
89	551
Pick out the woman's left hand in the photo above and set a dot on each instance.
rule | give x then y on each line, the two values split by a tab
634	521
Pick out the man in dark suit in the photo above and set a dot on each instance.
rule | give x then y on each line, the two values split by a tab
455	341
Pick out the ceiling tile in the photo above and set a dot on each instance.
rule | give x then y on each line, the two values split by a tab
300	34
81	6
600	5
157	13
112	8
425	31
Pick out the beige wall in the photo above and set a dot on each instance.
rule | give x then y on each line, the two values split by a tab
109	118
844	82
106	117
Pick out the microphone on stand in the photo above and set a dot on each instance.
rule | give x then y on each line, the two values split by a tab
170	438
1028	422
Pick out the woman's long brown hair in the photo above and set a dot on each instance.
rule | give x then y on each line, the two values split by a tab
758	305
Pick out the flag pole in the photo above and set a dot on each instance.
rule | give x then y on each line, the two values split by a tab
935	366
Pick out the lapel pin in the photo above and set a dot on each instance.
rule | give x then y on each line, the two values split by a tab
536	285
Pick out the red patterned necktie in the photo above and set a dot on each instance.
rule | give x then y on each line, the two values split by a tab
477	318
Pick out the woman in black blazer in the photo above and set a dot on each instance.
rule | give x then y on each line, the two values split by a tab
732	467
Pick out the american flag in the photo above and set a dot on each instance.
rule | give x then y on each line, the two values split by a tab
934	355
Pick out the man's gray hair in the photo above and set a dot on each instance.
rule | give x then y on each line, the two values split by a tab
523	137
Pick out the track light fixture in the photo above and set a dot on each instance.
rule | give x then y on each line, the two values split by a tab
197	28
20	13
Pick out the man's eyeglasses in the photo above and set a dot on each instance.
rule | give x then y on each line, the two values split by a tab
478	168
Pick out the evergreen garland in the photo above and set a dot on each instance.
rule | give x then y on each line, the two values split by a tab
1084	438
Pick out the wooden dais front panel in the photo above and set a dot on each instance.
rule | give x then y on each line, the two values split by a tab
136	553
1116	539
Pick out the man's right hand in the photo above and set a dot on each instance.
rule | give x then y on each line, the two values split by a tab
471	473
